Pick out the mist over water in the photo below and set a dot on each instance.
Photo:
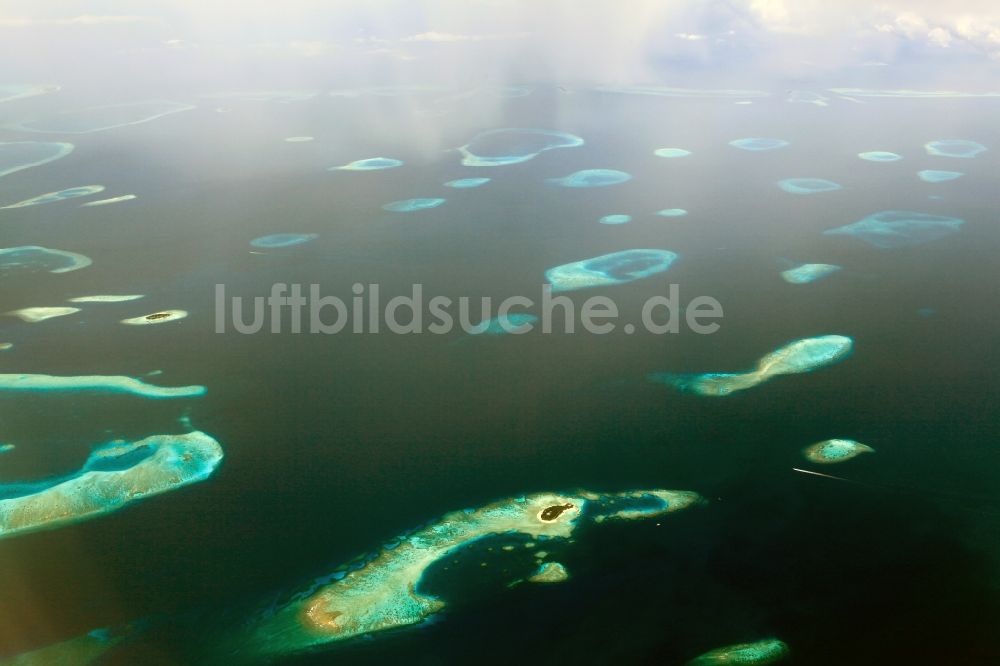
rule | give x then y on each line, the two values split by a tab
830	172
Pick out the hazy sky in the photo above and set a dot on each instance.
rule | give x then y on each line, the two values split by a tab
472	40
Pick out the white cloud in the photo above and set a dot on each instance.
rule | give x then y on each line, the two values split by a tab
454	38
84	20
939	37
638	41
391	53
773	14
977	30
311	48
976	33
907	24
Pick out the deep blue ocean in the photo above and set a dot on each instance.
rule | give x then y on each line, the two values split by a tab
336	443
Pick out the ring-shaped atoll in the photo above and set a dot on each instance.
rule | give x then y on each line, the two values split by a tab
767	651
18	155
382	591
880	156
36	257
467	183
369	164
609	269
835	451
274	241
413	205
61	195
938	176
808	185
161	317
592	178
954	148
115	475
101	118
500	147
807	273
899	228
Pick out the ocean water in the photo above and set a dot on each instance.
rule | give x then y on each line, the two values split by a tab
335	444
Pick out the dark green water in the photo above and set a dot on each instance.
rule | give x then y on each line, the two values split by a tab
336	443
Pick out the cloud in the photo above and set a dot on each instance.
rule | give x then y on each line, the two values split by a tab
453	38
975	29
84	20
311	48
772	14
645	41
907	25
391	53
939	37
974	33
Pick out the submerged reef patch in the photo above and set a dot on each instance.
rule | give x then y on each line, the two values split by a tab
798	356
671	152
880	156
592	178
36	257
299	139
644	504
954	148
500	147
369	164
95	383
919	94
107	298
112	200
936	176
411	205
36	314
835	451
466	183
282	240
807	185
807	97
549	572
277	96
515	323
671	91
160	317
10	92
79	651
609	269
52	197
808	273
615	219
899	228
767	651
114	476
757	144
672	212
100	118
382	591
510	92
